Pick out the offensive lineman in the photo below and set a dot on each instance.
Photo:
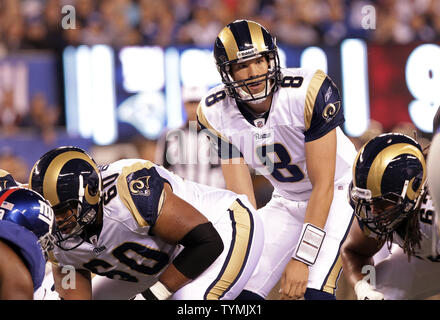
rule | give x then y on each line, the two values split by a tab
284	123
392	205
132	222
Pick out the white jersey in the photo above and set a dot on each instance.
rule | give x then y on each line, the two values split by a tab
305	107
125	248
187	152
417	278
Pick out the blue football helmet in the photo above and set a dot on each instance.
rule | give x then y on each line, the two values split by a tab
69	178
30	210
240	41
389	176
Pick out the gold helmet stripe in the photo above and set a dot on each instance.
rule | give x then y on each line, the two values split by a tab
53	171
257	36
3	173
381	162
228	40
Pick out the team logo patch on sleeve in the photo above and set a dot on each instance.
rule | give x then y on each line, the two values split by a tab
140	186
331	110
142	193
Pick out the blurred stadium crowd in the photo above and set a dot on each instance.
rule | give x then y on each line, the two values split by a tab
35	24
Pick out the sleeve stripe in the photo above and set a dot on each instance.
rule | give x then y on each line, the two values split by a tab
312	92
204	124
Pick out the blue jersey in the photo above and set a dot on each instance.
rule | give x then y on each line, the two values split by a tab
30	250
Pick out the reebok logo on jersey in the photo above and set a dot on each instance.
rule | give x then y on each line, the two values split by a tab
262	135
98	250
328	94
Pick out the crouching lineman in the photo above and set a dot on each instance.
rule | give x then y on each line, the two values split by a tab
392	206
26	222
146	230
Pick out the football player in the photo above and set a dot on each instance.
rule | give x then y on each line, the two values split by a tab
26	222
434	169
186	150
391	205
145	229
285	124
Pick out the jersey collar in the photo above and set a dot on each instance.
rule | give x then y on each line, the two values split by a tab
256	121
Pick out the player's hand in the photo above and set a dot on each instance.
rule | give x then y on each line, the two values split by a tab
294	280
365	291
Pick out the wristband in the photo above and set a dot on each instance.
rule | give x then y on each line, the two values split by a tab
309	244
157	291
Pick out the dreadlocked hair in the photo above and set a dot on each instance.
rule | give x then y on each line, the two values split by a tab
413	236
426	150
409	231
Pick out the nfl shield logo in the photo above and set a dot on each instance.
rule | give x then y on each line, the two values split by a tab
259	122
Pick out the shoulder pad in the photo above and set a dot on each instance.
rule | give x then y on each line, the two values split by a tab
322	110
141	189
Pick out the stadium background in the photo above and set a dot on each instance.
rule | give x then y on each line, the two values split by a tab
107	75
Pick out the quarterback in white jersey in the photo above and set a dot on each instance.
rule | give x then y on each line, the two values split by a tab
392	206
285	124
144	230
